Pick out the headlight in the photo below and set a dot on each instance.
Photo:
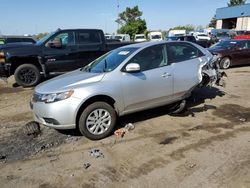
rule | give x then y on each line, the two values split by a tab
2	57
52	97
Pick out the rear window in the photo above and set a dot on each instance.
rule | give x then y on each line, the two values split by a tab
85	37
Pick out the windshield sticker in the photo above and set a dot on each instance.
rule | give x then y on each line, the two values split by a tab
233	42
123	53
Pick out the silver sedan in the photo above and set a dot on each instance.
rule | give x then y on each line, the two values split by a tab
126	80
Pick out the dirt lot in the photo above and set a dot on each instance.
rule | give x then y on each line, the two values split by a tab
206	146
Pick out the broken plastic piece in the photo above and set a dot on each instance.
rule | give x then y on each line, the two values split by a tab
96	153
32	128
86	165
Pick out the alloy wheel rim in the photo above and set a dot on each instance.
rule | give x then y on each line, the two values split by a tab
98	121
27	75
226	63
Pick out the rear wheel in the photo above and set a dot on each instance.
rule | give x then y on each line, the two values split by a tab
97	121
225	63
27	75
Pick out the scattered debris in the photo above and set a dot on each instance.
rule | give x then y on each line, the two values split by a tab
72	138
243	119
86	165
122	131
96	153
189	164
198	127
32	128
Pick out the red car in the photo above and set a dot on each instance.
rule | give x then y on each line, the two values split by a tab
232	52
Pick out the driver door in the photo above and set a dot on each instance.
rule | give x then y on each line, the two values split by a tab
64	58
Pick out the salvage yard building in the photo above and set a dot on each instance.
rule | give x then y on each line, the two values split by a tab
235	17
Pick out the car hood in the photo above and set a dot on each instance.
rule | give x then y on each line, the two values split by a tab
16	45
71	80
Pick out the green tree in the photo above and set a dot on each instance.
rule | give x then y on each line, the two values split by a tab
131	22
212	22
41	35
186	27
236	2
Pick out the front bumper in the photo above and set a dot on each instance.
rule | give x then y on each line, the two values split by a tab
57	115
4	70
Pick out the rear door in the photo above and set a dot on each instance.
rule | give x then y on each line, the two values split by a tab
153	85
185	60
241	54
62	59
90	46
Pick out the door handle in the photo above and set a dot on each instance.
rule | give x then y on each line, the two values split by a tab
166	75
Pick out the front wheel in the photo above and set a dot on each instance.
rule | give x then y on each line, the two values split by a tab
27	75
225	63
97	121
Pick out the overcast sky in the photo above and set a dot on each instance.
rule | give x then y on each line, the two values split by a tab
35	16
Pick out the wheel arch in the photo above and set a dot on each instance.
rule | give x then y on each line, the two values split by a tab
16	62
91	100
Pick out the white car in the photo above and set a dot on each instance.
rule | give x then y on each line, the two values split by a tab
202	36
155	36
140	38
122	37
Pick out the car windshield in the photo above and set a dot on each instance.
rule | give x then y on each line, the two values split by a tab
225	44
202	35
156	36
42	40
222	35
139	37
172	38
118	37
109	61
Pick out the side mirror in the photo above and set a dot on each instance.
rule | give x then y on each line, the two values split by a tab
55	43
133	67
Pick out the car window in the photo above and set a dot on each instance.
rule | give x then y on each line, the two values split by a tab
178	52
86	37
150	58
67	38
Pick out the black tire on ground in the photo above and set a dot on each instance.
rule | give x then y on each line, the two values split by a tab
179	107
225	63
89	114
27	75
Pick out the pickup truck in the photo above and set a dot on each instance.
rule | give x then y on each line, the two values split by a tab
58	52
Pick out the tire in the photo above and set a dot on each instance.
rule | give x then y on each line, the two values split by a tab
90	119
27	75
225	63
178	107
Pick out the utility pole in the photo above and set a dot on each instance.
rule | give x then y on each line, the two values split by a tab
118	10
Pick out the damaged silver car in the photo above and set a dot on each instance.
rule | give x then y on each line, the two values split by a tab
126	80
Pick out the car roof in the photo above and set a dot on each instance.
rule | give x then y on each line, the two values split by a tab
147	44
